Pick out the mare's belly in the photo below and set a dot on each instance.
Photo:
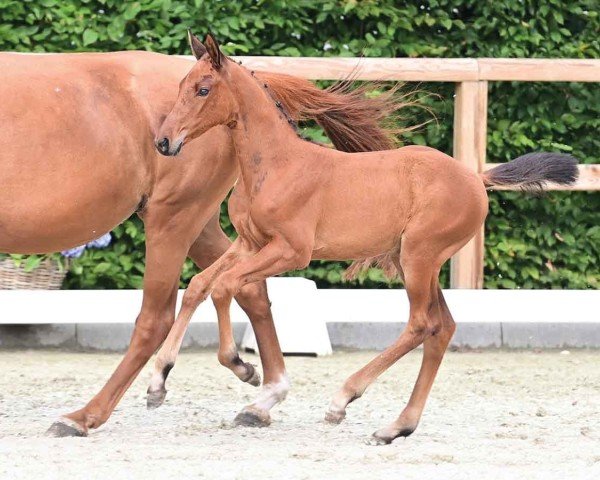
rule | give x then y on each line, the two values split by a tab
74	163
49	218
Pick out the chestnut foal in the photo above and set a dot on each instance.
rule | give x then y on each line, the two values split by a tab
408	209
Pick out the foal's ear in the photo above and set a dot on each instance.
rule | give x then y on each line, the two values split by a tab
214	52
198	49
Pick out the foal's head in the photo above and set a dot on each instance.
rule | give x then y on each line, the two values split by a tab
204	99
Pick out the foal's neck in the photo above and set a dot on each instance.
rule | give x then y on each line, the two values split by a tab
263	134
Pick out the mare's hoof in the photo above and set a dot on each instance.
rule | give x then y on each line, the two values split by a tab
254	376
65	428
155	399
335	418
252	417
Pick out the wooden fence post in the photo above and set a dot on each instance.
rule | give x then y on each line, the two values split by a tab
470	130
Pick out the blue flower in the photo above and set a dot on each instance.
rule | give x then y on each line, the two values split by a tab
102	242
75	252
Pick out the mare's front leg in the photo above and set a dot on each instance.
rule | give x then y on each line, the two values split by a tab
166	249
276	257
198	290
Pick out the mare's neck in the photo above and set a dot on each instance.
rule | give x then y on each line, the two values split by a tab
262	135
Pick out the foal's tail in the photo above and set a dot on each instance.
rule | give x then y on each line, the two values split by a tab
533	171
353	120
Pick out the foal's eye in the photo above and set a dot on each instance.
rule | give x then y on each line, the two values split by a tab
203	92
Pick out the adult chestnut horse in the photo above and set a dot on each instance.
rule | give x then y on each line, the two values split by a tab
408	209
78	158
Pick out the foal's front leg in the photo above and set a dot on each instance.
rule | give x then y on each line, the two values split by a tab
276	257
198	290
252	298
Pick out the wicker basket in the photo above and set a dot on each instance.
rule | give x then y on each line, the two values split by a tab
47	276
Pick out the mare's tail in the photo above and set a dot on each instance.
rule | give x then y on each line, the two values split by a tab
533	171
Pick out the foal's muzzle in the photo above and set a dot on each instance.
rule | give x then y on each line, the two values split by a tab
165	147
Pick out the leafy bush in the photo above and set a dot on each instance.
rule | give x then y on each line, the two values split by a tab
549	242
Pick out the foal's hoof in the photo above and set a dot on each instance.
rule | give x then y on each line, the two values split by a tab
335	418
387	435
253	375
155	399
377	440
65	428
252	417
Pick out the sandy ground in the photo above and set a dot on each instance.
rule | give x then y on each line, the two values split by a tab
491	415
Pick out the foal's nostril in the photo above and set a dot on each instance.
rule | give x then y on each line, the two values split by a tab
163	145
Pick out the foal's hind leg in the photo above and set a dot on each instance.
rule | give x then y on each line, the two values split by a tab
419	274
434	348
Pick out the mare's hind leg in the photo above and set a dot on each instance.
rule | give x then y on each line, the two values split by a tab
420	273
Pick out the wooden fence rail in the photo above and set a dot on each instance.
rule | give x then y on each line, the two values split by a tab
470	112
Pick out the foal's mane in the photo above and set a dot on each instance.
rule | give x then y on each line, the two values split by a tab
353	120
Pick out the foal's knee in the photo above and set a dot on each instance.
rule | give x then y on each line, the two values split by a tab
254	300
195	293
224	291
220	295
449	326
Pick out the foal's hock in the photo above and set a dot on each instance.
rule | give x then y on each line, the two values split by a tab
409	209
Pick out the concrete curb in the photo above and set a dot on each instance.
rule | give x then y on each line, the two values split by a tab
355	319
107	337
114	337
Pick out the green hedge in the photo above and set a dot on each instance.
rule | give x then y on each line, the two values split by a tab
549	242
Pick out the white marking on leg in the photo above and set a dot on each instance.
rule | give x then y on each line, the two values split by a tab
156	381
337	408
339	402
272	393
